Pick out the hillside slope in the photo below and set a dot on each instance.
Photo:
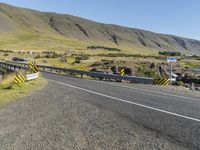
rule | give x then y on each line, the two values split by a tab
29	29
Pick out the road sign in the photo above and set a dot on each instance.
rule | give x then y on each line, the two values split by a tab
171	59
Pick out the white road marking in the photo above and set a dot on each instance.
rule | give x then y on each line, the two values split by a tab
151	91
143	90
126	101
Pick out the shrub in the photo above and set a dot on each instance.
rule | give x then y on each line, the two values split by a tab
81	56
127	55
38	56
104	48
179	83
77	61
53	55
146	72
6	54
6	51
3	71
168	53
48	56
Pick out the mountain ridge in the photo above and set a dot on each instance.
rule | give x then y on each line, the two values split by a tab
64	30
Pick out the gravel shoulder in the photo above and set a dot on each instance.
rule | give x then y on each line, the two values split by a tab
56	117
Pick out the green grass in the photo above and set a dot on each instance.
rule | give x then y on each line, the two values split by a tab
146	72
19	90
189	63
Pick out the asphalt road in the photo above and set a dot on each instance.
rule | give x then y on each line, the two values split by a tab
73	113
173	115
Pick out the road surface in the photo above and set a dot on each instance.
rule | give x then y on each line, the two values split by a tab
110	116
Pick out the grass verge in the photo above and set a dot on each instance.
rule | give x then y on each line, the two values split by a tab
20	90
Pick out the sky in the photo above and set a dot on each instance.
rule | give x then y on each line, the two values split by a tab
178	17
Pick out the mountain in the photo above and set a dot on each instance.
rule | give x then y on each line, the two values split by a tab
22	28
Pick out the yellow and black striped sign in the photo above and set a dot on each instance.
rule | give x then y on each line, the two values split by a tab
161	81
19	79
122	72
33	67
82	67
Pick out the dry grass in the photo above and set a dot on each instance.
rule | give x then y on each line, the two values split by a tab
10	92
7	82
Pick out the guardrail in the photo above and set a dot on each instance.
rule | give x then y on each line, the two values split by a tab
19	65
195	70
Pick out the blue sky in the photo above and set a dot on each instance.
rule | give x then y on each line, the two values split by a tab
179	17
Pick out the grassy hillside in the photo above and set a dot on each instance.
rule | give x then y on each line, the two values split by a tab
25	29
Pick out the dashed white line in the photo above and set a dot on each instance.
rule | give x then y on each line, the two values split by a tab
126	101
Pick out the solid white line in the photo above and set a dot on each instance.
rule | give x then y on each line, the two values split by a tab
145	90
129	102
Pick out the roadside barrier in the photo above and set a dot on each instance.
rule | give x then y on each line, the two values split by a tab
23	78
82	67
19	79
122	72
162	81
20	65
33	67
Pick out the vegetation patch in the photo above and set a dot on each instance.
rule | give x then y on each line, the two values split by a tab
6	51
3	71
179	83
129	55
49	55
104	48
169	53
143	71
79	57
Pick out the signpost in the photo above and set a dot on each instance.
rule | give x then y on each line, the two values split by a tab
171	60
